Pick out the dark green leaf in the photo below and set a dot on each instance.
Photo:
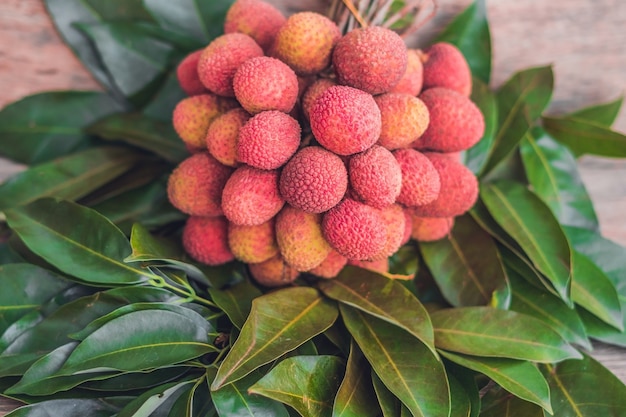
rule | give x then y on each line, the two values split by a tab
143	132
469	31
160	398
69	177
602	114
585	388
66	408
119	9
485	331
381	297
45	126
131	381
476	156
233	400
404	263
599	330
278	323
405	365
520	378
465	379
585	137
162	105
466	266
77	240
389	403
521	101
460	405
499	403
529	221
356	396
236	301
306	383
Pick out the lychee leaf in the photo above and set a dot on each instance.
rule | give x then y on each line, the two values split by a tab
73	407
119	9
460	405
157	401
389	403
236	301
498	402
162	105
476	156
586	137
603	114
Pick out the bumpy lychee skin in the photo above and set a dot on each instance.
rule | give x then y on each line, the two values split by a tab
345	120
305	42
268	140
408	226
420	180
300	239
253	244
313	92
205	240
456	123
394	220
375	176
404	119
221	138
355	230
193	115
331	266
429	229
380	266
445	66
251	196
195	186
273	273
257	19
413	78
265	83
187	74
314	180
372	59
459	189
222	57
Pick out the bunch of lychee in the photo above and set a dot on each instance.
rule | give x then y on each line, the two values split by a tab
311	150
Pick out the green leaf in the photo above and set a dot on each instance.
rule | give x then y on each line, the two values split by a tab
467	265
236	301
389	403
603	114
469	31
381	297
520	378
157	399
463	383
162	104
203	20
485	331
69	177
585	137
356	396
46	126
499	403
77	240
585	388
552	171
476	156
278	323
142	380
73	407
234	400
521	100
306	383
405	365
529	221
119	9
460	404
143	132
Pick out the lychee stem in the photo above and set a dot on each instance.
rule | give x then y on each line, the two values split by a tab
357	15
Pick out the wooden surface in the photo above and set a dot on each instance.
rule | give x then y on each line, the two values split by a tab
585	41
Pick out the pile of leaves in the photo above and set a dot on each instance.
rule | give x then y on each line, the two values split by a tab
102	314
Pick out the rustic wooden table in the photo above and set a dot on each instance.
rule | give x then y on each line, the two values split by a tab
585	40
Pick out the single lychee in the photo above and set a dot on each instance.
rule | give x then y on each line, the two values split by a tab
372	59
187	75
420	180
331	266
313	92
268	140
429	229
404	119
445	66
195	186
221	138
375	176
345	120
273	273
264	83
251	196
394	221
257	19
205	239
314	180
253	244
413	78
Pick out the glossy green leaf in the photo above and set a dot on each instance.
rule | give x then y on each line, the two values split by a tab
278	323
586	137
128	381
460	405
67	408
195	400
476	156
404	364
162	104
236	301
69	177
467	265
46	126
552	171
520	378
143	132
77	240
389	403
499	403
489	332
234	400
599	330
356	396
529	221
306	383
521	100
585	388
603	114
381	297
157	399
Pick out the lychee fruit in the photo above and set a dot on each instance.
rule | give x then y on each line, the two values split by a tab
394	220
268	140
251	196
345	120
429	229
372	59
413	78
253	244
313	92
205	239
445	66
314	180
265	83
257	19
375	176
420	180
187	75
221	138
404	119
273	273
331	266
